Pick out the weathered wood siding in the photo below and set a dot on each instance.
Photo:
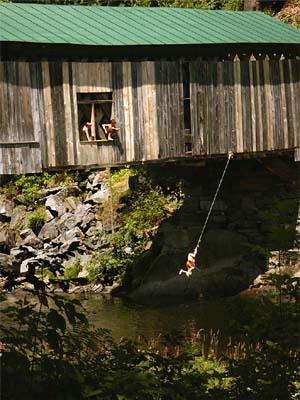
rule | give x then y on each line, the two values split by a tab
21	122
235	106
245	106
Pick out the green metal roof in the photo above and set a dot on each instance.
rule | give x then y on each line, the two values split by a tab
109	26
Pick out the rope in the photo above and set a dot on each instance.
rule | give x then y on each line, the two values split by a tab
230	155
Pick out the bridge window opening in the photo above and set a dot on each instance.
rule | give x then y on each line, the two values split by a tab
187	108
94	111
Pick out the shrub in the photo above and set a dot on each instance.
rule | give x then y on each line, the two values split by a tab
36	220
73	271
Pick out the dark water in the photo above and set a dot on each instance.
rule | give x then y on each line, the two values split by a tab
130	320
125	319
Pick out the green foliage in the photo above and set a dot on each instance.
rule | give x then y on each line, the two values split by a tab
73	271
205	4
119	175
108	268
274	315
36	220
47	354
147	205
29	188
290	13
268	373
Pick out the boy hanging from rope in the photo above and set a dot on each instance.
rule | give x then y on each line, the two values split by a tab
190	265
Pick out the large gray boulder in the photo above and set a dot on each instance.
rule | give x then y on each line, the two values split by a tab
7	238
6	264
6	208
49	231
55	204
18	218
225	266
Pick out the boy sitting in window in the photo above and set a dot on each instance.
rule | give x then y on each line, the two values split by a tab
86	130
110	129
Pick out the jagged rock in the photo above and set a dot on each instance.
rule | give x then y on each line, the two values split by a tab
85	214
91	177
98	288
29	251
18	218
52	251
7	238
75	290
98	197
48	216
95	230
6	208
29	263
69	245
109	289
224	267
99	179
26	232
39	260
67	221
16	253
49	231
55	204
73	233
84	273
30	239
69	191
72	203
48	191
92	246
6	265
33	241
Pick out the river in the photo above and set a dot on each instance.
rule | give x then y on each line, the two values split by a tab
130	320
139	322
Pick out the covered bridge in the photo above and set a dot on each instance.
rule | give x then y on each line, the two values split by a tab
180	83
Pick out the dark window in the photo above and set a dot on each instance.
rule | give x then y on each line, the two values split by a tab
94	109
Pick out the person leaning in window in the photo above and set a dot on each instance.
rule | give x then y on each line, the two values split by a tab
86	130
110	129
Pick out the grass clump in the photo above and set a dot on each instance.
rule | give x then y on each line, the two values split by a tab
36	220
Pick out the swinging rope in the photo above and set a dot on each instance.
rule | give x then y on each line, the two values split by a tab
230	155
190	264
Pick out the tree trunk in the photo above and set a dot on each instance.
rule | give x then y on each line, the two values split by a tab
250	5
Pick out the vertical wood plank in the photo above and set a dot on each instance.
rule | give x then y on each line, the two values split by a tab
49	152
246	106
269	105
230	132
57	100
149	111
284	107
238	107
68	113
277	111
289	101
295	73
220	127
128	111
137	106
161	110
253	114
73	113
258	106
119	144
